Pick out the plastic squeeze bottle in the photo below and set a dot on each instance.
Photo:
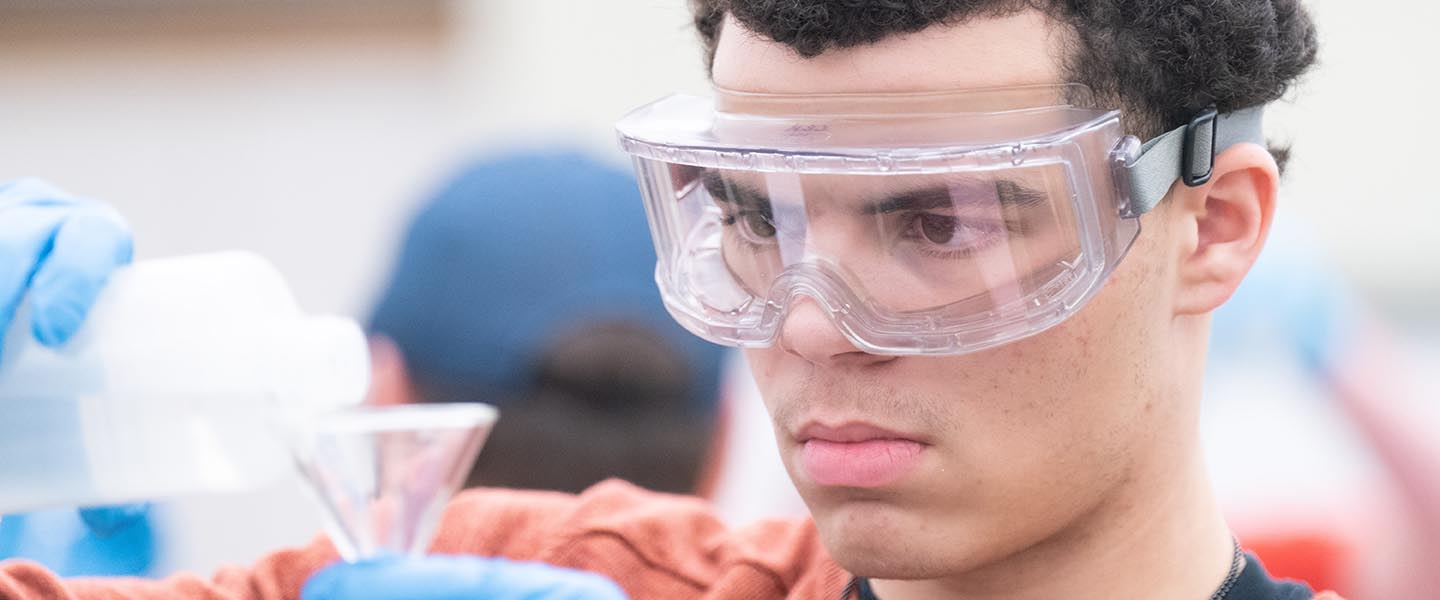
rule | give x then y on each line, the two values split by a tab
182	379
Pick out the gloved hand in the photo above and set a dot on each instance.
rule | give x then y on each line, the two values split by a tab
107	521
456	578
61	249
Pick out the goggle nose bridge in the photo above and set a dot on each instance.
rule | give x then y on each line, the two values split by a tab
817	280
822	283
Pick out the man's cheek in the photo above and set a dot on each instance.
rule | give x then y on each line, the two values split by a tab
764	365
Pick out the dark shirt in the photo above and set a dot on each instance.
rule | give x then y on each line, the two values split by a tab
1254	583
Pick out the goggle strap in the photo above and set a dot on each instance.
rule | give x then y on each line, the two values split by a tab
1188	153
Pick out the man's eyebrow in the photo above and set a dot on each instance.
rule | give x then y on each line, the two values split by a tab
1014	193
1007	192
732	192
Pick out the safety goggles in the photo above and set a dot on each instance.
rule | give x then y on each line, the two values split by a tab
923	223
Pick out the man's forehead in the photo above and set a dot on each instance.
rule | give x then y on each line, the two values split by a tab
1019	49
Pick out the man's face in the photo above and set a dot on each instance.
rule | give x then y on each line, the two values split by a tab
918	467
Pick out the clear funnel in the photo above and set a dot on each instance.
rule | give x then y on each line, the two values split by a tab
383	475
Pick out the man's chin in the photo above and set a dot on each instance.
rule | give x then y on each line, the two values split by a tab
878	540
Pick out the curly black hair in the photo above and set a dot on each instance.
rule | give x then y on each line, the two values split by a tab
1160	60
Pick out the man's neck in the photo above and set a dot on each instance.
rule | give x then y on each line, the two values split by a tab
1163	539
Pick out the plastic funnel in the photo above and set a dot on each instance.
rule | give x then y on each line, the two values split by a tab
383	475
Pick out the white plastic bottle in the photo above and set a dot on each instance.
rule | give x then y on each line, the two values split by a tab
181	380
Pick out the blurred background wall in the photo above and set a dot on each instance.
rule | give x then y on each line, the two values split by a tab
307	130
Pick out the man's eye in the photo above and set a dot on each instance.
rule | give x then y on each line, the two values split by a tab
755	226
945	230
760	224
947	236
937	229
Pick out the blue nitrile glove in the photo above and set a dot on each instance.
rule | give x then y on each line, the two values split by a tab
61	249
107	521
456	578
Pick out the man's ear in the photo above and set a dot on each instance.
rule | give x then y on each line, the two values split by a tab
1223	225
389	378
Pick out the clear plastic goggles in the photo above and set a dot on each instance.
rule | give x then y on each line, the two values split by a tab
921	223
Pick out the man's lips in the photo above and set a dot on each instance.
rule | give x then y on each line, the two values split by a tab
857	454
853	431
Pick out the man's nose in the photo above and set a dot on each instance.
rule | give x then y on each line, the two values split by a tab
808	333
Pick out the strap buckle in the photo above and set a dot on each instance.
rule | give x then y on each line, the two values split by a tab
1202	130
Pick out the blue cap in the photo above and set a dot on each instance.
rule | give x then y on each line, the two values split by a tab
517	251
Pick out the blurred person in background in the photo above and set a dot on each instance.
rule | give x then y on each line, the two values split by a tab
567	336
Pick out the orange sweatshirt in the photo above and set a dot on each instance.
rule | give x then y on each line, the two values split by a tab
653	545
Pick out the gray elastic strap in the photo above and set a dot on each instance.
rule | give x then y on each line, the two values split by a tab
1160	159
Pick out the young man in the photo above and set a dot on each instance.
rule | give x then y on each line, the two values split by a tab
916	229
